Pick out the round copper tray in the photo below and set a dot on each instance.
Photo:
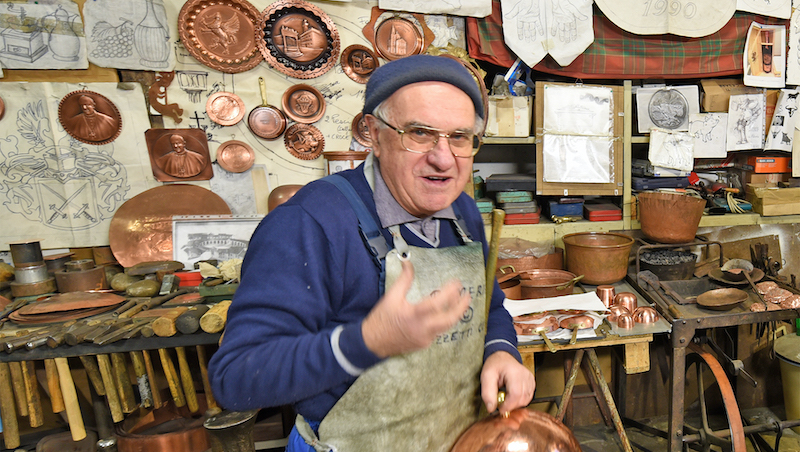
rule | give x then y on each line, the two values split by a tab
141	229
224	108
89	117
360	130
235	156
359	62
303	103
397	37
721	299
304	141
220	33
297	39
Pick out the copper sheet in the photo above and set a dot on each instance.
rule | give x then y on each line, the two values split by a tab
303	103
70	301
235	156
266	121
220	34
304	141
298	39
89	117
224	108
360	130
359	62
396	37
174	160
141	229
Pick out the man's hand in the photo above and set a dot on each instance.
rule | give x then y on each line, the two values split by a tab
501	369
395	326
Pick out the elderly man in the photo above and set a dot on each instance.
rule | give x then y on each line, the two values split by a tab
370	369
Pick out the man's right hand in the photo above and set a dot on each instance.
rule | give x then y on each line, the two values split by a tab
395	326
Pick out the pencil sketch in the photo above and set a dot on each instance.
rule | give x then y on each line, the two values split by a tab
745	122
528	17
566	17
475	8
42	36
199	238
781	128
670	149
708	131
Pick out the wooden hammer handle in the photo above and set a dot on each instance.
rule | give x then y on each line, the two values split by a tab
211	402
19	387
186	378
123	381
35	414
104	364
7	411
74	418
172	378
93	372
54	386
214	320
151	377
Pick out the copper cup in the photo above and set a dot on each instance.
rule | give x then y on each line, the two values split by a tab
616	311
627	299
606	294
645	314
625	321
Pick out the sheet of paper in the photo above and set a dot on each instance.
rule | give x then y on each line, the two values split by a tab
666	107
764	56
746	122
588	301
59	190
236	189
671	149
578	159
42	36
473	8
683	18
578	110
709	131
793	58
781	129
773	8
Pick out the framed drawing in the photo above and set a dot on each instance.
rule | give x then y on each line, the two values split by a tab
203	237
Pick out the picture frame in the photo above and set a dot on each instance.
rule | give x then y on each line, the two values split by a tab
204	237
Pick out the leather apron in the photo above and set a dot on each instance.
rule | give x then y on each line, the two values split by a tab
420	401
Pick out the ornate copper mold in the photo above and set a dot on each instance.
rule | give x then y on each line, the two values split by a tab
303	103
359	62
360	130
178	154
304	141
220	34
226	109
235	156
89	117
396	37
298	39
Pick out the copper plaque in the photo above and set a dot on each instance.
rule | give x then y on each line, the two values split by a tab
359	62
179	154
89	117
141	229
220	33
2	108
235	156
224	108
303	103
298	39
360	130
397	37
304	141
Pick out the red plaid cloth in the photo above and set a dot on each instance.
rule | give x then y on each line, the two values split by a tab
618	54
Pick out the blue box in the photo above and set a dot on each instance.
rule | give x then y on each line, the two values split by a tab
561	210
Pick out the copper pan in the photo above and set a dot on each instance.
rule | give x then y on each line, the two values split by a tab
521	429
266	121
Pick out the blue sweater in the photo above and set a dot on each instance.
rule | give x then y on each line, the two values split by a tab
306	272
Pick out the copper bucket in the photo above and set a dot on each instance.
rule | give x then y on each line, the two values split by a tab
602	257
670	217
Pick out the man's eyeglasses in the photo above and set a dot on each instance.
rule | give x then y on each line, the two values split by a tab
421	140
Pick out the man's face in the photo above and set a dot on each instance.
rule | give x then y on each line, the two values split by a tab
424	183
87	105
178	145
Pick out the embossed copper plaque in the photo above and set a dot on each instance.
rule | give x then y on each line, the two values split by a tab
141	229
359	62
89	117
298	39
179	154
224	108
266	121
303	103
235	156
304	141
220	33
2	108
360	130
397	37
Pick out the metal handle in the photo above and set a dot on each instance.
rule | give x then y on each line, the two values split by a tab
263	87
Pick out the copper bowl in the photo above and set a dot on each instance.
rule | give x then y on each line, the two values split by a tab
616	311
645	314
522	429
628	300
625	321
670	217
601	257
280	195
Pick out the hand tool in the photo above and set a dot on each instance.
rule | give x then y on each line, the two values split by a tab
57	338
189	321
32	397
53	386
214	320
158	301
104	364
164	326
186	378
19	387
77	335
74	418
145	395
151	378
498	216
121	333
7	411
172	378
211	403
123	382
93	372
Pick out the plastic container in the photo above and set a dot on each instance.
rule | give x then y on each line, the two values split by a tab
601	257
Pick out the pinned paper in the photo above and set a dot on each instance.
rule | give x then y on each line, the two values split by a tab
746	122
671	149
709	132
765	56
781	129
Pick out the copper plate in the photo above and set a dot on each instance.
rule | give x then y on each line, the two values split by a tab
360	130
235	156
298	39
141	229
224	108
71	301
89	117
220	33
359	62
303	103
173	159
397	37
304	141
2	108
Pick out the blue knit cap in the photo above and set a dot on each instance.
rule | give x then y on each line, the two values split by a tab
396	74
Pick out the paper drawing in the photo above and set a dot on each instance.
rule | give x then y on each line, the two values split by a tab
773	8
42	36
709	131
746	117
793	58
670	149
781	128
764	56
578	110
579	159
679	17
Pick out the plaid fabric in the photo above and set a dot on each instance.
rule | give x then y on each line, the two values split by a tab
618	54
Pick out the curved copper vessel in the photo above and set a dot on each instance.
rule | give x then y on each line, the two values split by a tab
522	429
266	121
226	109
670	217
280	195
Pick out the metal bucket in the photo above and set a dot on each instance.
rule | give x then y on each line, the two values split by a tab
669	265
601	257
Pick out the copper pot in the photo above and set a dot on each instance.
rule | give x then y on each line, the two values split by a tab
670	217
512	289
602	257
280	195
605	293
521	429
628	300
547	282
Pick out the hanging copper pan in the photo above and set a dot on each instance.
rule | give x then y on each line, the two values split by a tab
266	121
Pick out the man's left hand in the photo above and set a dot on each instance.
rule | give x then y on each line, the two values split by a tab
503	370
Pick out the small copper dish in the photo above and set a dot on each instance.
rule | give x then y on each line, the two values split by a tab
359	62
645	314
220	34
303	103
224	108
89	117
396	37
304	141
360	130
235	156
266	121
627	299
297	39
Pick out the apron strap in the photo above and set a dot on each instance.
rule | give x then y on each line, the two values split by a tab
309	436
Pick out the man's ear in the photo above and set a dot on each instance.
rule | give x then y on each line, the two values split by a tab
374	128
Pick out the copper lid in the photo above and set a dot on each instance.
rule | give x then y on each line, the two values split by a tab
224	108
397	37
304	141
298	39
220	34
235	156
359	62
141	229
303	103
360	130
179	154
89	117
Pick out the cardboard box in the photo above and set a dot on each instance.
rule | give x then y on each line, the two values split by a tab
770	164
717	93
771	201
509	116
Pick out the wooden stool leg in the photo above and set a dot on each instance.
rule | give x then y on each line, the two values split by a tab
601	381
566	396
